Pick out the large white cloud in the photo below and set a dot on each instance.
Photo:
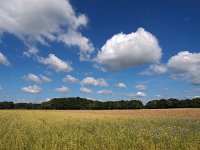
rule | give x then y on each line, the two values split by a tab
127	50
44	21
94	82
70	79
186	65
4	60
56	63
31	89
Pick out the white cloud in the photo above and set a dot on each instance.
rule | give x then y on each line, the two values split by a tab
33	78
105	92
45	79
128	50
56	63
4	60
186	65
62	89
44	21
70	79
138	94
155	69
31	51
121	85
36	79
76	39
85	90
158	96
94	82
141	87
1	88
31	89
196	97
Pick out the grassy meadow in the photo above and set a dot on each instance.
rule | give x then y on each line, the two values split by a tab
171	129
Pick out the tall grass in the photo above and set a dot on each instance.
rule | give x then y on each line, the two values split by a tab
173	129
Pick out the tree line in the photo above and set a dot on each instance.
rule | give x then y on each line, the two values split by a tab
77	103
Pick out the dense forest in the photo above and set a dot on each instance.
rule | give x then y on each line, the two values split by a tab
83	103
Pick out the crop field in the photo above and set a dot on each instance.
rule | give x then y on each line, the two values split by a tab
170	129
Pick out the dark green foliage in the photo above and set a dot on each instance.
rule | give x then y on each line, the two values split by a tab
27	106
173	103
82	103
77	103
6	105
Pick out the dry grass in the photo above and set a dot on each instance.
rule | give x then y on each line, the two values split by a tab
172	129
185	113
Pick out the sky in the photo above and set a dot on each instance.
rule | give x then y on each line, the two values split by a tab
102	50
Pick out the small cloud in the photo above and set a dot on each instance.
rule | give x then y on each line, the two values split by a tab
94	82
4	60
33	78
121	85
105	92
45	79
31	89
155	69
138	94
196	97
158	96
62	89
56	63
70	79
141	87
85	90
31	51
36	79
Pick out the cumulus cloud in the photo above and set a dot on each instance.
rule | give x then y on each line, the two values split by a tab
186	65
44	78
4	60
128	50
141	87
105	92
31	51
73	38
36	79
85	90
155	69
62	89
32	77
31	89
138	94
44	21
94	82
56	63
70	79
121	85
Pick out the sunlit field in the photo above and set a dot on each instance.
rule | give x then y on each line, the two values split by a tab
173	129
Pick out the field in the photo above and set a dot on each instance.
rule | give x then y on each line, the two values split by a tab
171	129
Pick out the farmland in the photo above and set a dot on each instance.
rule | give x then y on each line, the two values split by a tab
100	129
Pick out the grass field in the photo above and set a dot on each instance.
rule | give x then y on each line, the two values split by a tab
171	129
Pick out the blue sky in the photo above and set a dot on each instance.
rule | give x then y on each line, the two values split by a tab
105	50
